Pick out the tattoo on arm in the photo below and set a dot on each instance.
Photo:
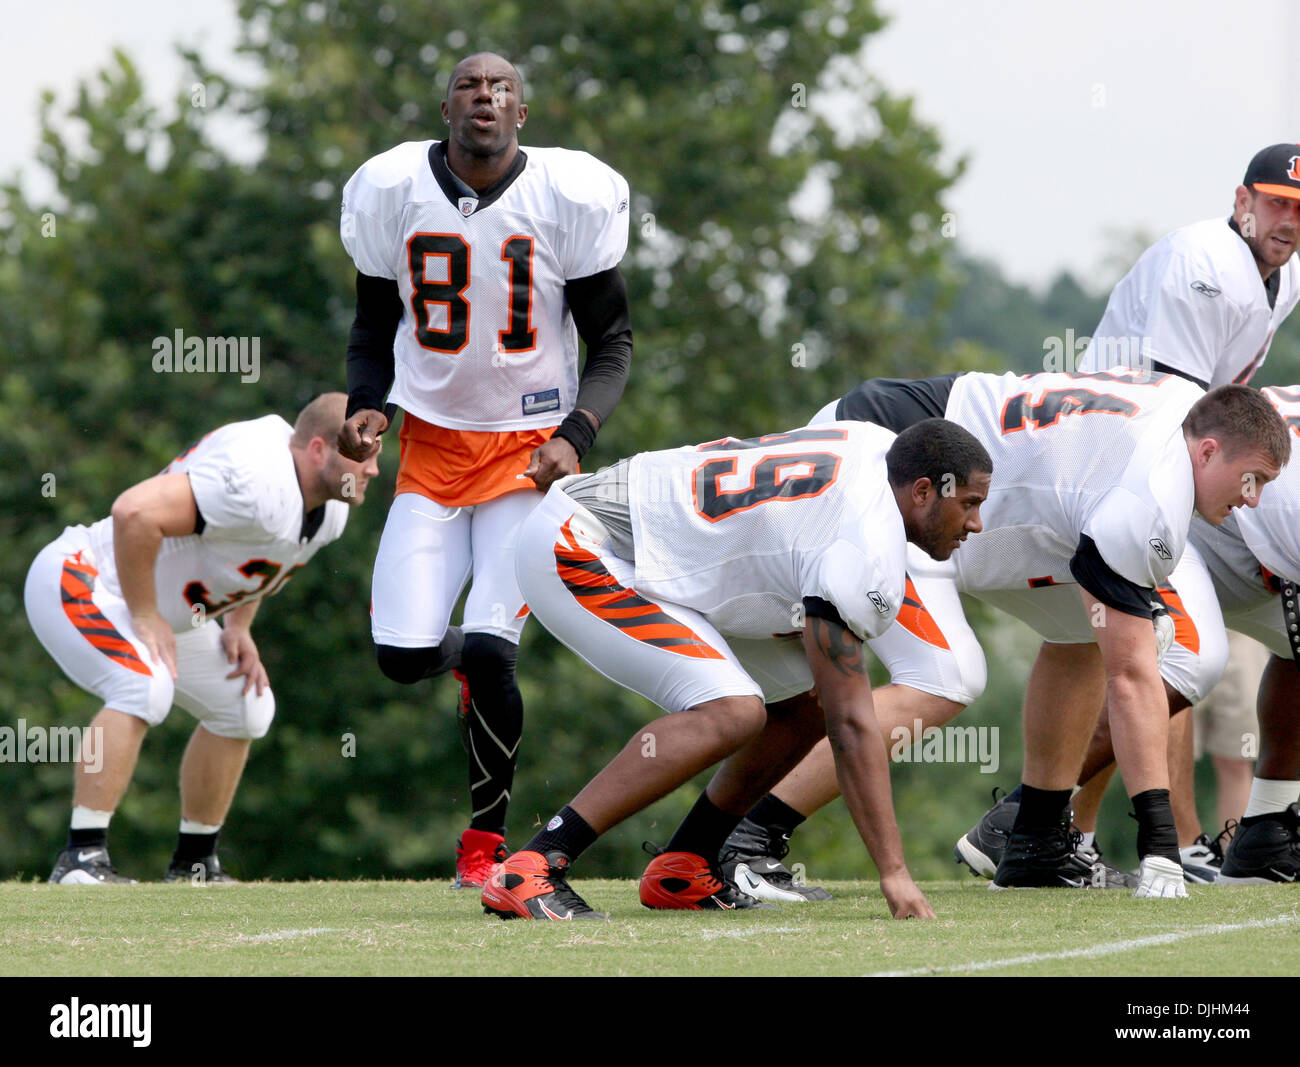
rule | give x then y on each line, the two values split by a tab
839	646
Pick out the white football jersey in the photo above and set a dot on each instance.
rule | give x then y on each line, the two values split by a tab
1102	455
1194	301
486	341
742	531
1271	529
246	488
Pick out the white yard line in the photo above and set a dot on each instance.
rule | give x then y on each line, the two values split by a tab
712	935
1105	949
285	935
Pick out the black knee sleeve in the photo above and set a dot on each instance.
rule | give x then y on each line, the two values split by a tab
410	665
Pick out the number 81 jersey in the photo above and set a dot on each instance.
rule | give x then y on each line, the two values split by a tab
742	531
486	341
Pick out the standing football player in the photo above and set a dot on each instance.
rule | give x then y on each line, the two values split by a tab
128	608
479	265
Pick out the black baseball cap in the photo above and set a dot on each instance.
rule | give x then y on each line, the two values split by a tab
1275	170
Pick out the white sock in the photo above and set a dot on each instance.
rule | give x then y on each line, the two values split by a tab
189	826
89	819
1089	836
1270	794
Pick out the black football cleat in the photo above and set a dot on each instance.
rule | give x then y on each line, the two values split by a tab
1203	859
981	847
1265	849
750	860
205	871
1046	857
89	865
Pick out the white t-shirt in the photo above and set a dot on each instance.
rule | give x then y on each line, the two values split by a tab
1195	302
246	488
742	531
486	341
1098	455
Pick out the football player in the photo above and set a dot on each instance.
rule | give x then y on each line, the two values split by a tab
128	608
1079	539
479	265
660	570
1203	302
1253	558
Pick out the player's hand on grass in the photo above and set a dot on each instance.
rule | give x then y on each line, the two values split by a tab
241	652
359	437
905	900
556	459
153	630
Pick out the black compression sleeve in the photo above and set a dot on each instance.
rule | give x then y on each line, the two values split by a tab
370	344
598	304
823	609
1113	590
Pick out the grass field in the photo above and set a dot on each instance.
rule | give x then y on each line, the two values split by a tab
424	928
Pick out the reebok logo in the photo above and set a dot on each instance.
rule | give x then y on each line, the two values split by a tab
1206	290
881	604
1160	548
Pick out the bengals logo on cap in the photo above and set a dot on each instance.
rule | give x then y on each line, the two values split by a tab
1294	172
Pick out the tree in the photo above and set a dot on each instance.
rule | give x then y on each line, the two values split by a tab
786	243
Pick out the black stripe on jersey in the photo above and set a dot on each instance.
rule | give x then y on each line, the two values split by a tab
896	403
1114	590
311	523
451	185
1165	368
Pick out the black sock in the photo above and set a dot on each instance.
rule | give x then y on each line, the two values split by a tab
568	832
1157	835
191	847
495	724
1015	794
704	830
96	837
1041	808
774	813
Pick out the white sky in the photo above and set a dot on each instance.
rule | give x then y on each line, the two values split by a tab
1081	122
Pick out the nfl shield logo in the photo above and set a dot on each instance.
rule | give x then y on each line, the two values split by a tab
467	204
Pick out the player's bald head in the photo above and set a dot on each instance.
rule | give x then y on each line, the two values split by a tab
490	63
323	417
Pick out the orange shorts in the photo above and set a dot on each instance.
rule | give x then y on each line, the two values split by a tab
463	467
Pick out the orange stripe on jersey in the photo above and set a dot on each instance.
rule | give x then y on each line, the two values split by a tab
598	591
1184	629
914	618
463	467
76	589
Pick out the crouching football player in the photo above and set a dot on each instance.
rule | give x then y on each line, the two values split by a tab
647	569
128	610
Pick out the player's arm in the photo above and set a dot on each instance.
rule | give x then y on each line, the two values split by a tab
162	506
600	312
1122	614
839	670
370	365
239	647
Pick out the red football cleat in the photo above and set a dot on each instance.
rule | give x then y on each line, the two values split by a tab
478	854
683	880
529	885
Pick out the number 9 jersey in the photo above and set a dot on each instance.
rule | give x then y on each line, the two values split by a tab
486	341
